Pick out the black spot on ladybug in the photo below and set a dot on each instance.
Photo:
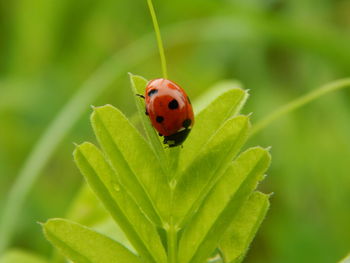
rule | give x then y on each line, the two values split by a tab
159	119
189	101
152	92
177	138
186	123
173	105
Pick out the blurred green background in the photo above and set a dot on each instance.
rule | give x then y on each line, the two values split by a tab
278	49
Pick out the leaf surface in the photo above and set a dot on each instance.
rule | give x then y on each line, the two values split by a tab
135	163
209	120
346	259
21	256
204	231
86	208
197	180
83	245
138	85
102	179
211	94
239	235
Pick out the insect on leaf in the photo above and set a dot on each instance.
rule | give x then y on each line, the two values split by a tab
138	85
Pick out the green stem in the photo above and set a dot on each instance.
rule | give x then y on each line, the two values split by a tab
172	242
173	158
298	103
159	39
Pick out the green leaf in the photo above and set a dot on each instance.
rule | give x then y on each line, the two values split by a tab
83	245
138	85
113	230
346	259
21	256
86	208
135	163
209	120
197	180
204	231
103	180
235	242
204	100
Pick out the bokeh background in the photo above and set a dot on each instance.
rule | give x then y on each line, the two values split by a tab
279	49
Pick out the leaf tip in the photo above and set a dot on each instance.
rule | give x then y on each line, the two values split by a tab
78	148
100	109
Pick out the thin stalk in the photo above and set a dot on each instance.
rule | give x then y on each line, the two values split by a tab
172	242
299	102
173	159
159	38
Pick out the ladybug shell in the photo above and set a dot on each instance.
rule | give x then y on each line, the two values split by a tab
169	110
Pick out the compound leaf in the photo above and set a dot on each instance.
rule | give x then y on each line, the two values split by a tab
197	180
204	231
209	120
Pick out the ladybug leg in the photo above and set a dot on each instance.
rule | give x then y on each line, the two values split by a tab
141	96
146	112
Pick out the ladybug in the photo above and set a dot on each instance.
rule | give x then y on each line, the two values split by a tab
170	110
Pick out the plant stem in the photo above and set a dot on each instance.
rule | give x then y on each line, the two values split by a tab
159	39
173	158
299	102
172	242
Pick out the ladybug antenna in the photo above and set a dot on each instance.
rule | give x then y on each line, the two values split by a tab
159	39
139	95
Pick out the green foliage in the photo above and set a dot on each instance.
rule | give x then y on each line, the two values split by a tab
240	233
346	259
17	256
169	212
221	205
265	45
81	244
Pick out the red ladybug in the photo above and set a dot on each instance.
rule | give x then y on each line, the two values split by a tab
169	110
